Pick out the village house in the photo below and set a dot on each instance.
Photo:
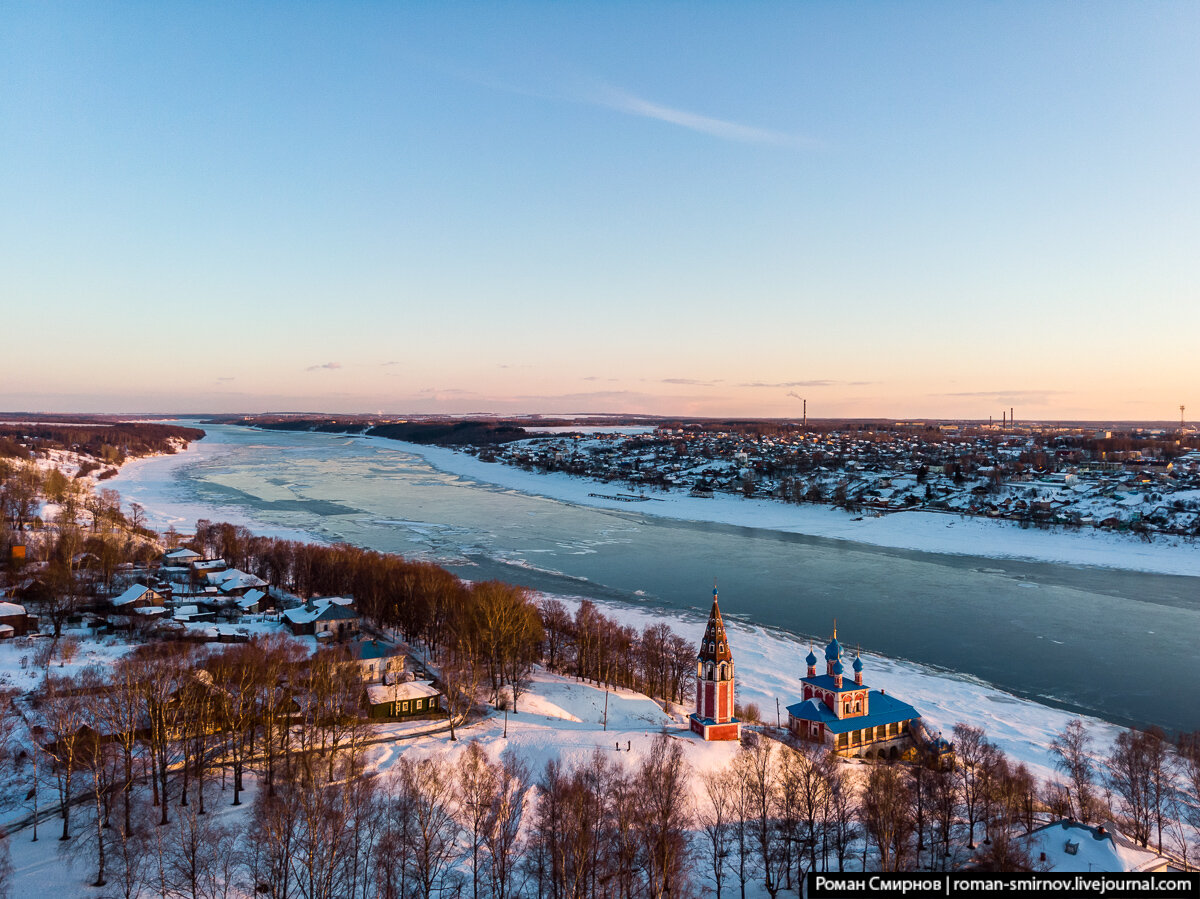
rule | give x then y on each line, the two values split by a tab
138	596
181	556
15	621
375	661
1067	845
327	618
254	601
233	582
414	699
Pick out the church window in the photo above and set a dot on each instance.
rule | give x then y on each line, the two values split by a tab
723	674
858	706
721	646
699	669
708	673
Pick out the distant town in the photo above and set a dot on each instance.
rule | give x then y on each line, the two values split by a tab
1139	479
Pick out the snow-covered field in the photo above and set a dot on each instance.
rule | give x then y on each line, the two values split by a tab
924	531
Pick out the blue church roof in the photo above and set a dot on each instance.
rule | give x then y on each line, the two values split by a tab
825	682
884	710
833	651
810	659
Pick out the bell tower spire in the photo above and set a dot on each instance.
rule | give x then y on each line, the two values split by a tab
713	718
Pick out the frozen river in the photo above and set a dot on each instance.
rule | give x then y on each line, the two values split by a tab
1120	645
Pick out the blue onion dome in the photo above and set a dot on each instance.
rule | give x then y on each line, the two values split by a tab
810	659
837	668
857	663
833	651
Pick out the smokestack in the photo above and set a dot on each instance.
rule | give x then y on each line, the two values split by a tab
805	425
1010	417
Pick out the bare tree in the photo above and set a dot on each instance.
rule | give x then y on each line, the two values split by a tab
1187	764
715	817
887	816
1072	756
663	822
972	750
200	857
1137	774
503	826
756	763
460	677
945	806
271	843
66	718
431	832
475	787
842	814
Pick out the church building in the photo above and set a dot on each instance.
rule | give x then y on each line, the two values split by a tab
843	712
713	718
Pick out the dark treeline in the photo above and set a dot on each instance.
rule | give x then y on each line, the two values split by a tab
457	433
445	433
111	443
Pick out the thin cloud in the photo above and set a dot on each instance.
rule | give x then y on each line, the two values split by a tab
333	366
631	104
779	385
1013	395
690	382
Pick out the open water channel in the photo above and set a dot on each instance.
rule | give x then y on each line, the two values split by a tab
1120	645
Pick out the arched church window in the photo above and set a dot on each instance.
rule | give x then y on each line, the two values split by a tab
723	669
858	706
699	669
708	672
721	646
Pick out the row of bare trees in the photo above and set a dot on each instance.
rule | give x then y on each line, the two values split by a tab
594	647
1150	785
169	720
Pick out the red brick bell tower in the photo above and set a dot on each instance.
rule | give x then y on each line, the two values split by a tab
713	718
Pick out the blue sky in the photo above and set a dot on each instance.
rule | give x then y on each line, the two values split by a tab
889	209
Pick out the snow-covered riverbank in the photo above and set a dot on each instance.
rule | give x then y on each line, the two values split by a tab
922	531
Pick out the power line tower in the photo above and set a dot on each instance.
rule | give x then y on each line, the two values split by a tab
1181	423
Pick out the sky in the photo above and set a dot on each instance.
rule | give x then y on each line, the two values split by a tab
886	209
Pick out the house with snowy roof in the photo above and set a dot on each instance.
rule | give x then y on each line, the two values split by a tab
181	556
204	567
375	661
15	621
1067	845
848	716
329	617
138	596
233	582
253	601
413	699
